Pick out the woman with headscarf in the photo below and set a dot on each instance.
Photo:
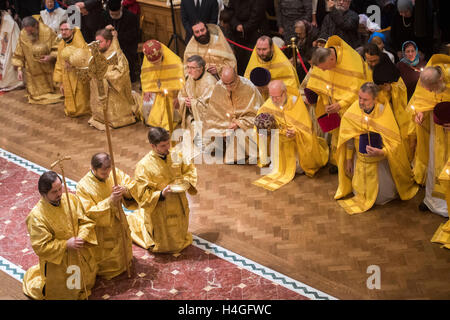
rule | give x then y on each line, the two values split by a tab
380	39
53	14
410	66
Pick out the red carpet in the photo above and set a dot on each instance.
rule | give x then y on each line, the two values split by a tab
194	274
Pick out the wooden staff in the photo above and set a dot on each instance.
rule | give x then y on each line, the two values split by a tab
59	162
122	217
97	70
169	112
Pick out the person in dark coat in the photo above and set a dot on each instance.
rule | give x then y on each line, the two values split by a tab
91	17
127	26
405	27
290	11
248	23
27	8
343	22
206	11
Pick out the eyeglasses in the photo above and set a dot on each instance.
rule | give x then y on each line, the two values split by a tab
193	68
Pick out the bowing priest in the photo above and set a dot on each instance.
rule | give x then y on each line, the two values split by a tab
162	180
51	224
393	93
229	119
75	90
442	234
299	149
210	43
194	96
269	56
372	161
36	53
337	74
162	71
102	200
122	102
431	102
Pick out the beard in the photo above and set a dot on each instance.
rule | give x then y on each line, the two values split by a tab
267	58
204	39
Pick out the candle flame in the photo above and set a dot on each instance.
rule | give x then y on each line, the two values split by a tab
447	171
367	119
228	115
412	107
421	69
165	91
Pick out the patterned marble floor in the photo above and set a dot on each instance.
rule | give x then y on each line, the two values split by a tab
203	271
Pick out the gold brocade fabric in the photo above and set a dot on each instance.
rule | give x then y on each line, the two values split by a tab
76	92
217	52
442	234
50	228
241	106
280	69
117	86
39	76
424	101
340	84
311	150
199	92
168	75
397	100
113	235
365	180
162	225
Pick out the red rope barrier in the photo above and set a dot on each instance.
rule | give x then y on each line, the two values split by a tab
239	45
301	61
62	4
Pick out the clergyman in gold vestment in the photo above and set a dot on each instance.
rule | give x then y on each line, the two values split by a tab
161	224
230	116
66	260
101	200
269	56
299	148
337	74
76	91
378	171
194	96
209	43
433	141
162	77
121	102
36	53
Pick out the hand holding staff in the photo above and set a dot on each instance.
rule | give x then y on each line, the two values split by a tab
71	218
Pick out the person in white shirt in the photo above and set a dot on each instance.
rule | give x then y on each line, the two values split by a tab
53	14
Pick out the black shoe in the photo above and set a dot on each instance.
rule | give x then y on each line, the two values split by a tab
333	169
423	207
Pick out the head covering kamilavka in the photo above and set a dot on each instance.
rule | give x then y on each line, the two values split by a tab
406	60
385	72
152	50
260	77
441	113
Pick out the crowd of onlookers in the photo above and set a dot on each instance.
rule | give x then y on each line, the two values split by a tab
407	31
